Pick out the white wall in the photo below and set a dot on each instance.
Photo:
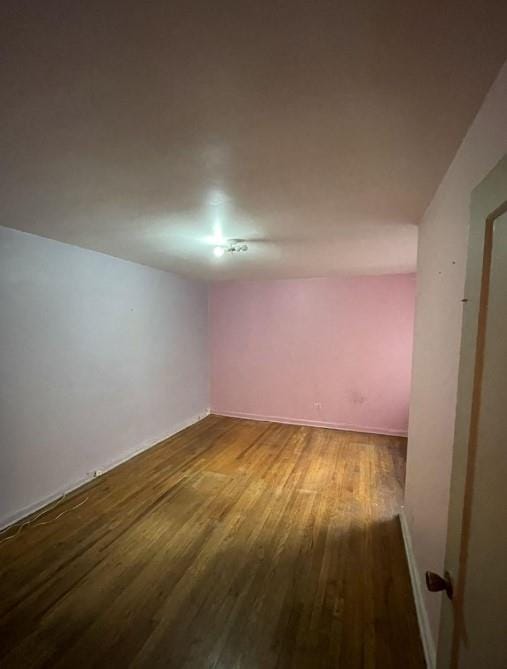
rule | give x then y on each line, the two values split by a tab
440	286
99	357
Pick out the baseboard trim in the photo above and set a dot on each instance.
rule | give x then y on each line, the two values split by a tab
422	615
312	423
70	487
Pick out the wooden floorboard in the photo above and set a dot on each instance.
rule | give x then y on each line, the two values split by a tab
233	544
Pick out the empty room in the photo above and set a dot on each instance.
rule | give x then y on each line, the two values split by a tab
253	335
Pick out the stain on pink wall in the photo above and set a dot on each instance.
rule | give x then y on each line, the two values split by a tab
332	351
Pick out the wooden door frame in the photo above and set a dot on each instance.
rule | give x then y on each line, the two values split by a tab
485	210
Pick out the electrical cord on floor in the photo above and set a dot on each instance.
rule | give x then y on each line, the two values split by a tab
32	522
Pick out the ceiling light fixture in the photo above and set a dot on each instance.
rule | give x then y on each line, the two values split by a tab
233	246
237	246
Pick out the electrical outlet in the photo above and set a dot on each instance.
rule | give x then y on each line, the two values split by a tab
97	472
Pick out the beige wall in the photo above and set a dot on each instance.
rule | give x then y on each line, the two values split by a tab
440	284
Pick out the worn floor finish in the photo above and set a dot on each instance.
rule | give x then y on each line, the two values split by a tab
233	544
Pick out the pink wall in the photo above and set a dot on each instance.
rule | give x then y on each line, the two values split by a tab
333	351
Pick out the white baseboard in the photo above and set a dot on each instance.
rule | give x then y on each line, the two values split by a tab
422	615
313	423
70	486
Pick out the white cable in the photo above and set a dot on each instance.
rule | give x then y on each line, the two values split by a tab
44	522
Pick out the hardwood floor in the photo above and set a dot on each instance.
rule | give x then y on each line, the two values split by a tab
233	544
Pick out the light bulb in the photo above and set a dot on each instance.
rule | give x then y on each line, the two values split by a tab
218	251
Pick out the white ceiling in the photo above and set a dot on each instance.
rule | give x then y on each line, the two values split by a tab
318	131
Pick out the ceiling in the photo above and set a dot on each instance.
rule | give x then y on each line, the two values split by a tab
317	131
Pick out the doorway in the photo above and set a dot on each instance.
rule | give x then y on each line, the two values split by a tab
472	631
